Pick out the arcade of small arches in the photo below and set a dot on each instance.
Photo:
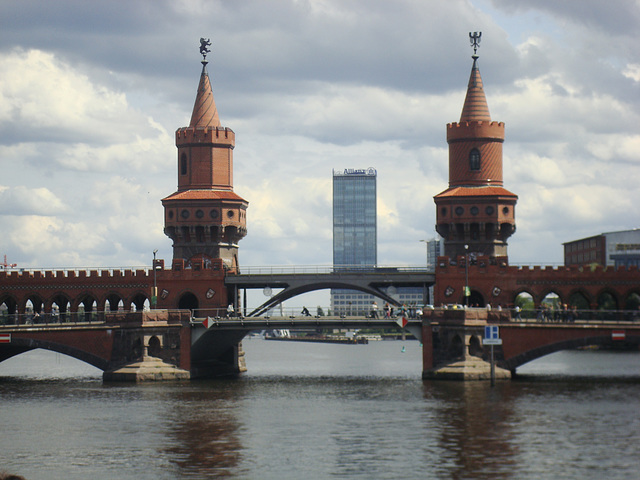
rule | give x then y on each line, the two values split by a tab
61	305
577	299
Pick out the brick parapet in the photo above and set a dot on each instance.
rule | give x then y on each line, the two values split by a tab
69	275
499	283
198	136
475	131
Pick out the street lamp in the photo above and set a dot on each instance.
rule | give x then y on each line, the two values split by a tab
466	275
154	294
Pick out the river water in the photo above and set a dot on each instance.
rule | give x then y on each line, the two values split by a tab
325	411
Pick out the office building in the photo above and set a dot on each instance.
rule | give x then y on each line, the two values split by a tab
354	232
618	249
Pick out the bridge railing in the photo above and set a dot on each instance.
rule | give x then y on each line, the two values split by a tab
575	315
310	269
12	320
46	319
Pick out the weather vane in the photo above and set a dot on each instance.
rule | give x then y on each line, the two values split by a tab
474	38
204	43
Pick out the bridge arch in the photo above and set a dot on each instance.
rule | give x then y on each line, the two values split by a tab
60	305
551	298
476	299
114	302
291	292
138	301
524	299
607	299
475	346
580	299
20	345
188	301
87	304
37	303
538	352
632	300
10	303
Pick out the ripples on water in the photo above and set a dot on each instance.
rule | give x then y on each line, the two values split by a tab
325	411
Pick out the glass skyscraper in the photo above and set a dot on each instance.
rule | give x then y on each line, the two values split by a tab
354	217
354	233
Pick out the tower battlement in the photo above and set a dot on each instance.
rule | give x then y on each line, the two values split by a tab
457	131
216	135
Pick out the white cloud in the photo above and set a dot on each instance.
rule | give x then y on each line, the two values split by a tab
21	200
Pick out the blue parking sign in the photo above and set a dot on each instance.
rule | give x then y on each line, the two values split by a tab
491	332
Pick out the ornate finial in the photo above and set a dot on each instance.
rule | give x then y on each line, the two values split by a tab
474	38
204	43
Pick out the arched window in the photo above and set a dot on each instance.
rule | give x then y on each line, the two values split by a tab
183	164
474	159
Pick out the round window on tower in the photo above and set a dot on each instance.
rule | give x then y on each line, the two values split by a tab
214	214
489	210
184	214
459	210
443	211
230	214
199	213
505	210
473	210
170	214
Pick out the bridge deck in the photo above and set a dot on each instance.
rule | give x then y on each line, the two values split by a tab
294	322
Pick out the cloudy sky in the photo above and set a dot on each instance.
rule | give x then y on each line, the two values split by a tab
91	94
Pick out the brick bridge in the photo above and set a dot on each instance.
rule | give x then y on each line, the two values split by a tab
186	347
453	347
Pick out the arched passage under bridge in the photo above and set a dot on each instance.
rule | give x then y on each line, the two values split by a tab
372	280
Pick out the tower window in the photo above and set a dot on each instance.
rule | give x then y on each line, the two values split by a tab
474	159
183	164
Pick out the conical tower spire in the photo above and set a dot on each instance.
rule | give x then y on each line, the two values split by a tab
205	113
475	107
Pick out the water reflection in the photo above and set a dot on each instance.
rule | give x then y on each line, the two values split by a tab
474	431
203	430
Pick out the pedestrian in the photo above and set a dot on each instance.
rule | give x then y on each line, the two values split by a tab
230	310
374	309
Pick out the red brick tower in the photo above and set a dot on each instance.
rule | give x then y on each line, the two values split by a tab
475	211
205	218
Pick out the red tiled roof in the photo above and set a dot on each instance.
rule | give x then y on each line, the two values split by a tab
204	195
476	192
